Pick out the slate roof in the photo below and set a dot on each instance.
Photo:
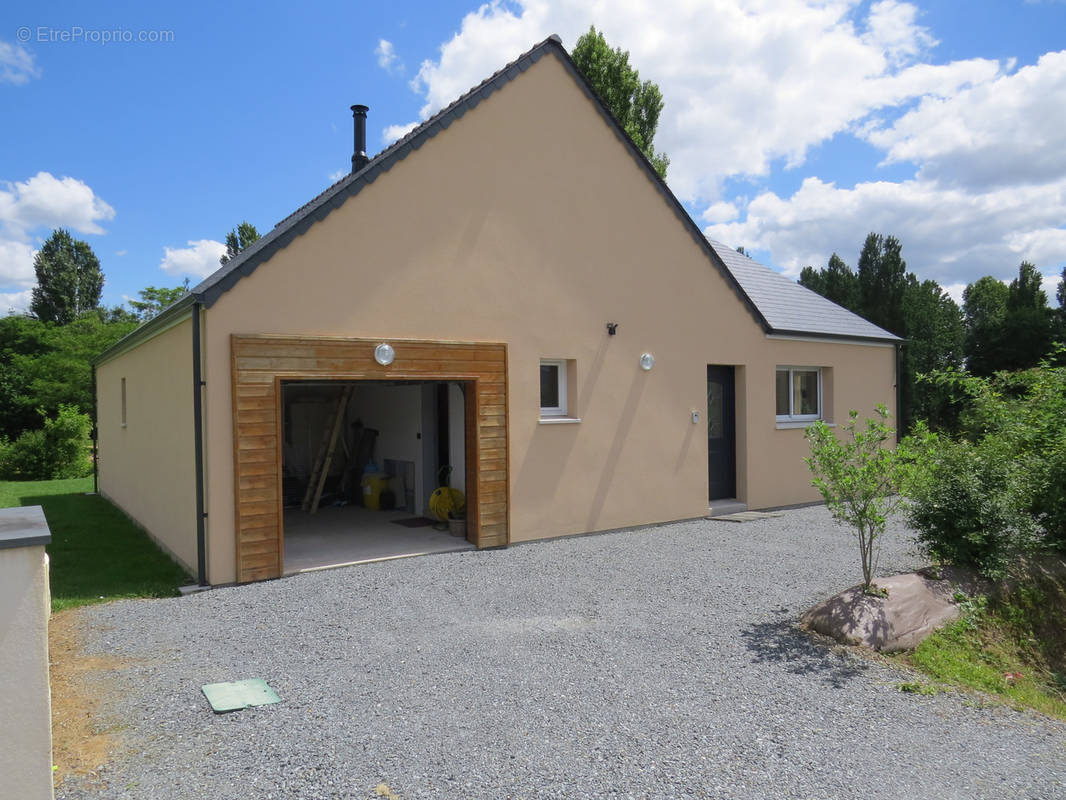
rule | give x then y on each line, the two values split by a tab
296	224
791	309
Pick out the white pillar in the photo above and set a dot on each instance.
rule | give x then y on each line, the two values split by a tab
25	697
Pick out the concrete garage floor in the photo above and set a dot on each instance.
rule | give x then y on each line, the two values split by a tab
339	536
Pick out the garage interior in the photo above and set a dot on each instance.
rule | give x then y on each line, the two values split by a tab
360	461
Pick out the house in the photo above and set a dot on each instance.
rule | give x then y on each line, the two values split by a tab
509	291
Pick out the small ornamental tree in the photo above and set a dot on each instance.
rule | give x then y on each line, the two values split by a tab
859	476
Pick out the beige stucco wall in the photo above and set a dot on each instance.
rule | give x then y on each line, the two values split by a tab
25	700
527	222
147	466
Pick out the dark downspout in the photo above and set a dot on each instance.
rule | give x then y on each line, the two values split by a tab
95	438
899	395
198	447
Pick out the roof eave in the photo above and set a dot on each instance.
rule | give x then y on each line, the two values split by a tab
888	338
145	331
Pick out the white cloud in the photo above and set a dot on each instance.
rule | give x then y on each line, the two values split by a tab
199	259
1004	131
30	207
751	87
955	291
1050	285
394	132
720	212
745	84
387	58
336	176
16	264
45	200
948	234
15	302
17	64
891	28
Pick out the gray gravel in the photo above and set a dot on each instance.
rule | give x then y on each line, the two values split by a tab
652	663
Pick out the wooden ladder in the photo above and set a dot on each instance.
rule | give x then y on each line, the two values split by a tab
325	453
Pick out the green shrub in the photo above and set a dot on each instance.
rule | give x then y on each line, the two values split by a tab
999	491
969	504
58	450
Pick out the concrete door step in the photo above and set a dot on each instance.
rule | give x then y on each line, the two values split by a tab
748	516
730	505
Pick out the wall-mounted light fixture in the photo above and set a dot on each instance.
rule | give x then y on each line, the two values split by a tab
384	354
695	417
612	328
647	361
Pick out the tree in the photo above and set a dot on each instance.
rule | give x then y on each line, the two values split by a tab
859	478
69	280
1060	295
836	282
984	305
919	312
882	281
154	299
1028	326
237	240
44	366
935	336
635	104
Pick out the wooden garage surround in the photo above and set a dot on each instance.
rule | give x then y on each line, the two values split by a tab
261	363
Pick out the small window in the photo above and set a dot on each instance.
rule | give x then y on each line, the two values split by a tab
553	388
798	393
123	402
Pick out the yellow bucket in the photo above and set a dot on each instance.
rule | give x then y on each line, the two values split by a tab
373	486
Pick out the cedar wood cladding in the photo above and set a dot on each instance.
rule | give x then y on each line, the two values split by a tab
261	363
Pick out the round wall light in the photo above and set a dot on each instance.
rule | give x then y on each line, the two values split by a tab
384	354
647	361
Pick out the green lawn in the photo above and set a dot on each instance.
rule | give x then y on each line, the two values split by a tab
1013	647
96	553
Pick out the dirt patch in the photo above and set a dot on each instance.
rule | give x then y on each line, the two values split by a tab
82	739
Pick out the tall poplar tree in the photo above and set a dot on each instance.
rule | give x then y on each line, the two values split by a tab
69	279
635	104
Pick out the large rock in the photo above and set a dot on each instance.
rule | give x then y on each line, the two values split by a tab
914	608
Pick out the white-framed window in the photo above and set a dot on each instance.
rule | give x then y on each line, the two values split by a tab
552	387
799	394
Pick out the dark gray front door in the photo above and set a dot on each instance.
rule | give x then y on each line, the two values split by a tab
721	432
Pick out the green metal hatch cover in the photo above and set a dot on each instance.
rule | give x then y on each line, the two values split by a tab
235	695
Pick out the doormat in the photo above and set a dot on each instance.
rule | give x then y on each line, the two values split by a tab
748	516
235	695
413	522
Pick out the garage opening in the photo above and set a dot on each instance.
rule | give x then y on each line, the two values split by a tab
361	460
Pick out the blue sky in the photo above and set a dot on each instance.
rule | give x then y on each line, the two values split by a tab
794	128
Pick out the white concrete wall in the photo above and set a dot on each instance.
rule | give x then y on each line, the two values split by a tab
396	413
146	461
25	698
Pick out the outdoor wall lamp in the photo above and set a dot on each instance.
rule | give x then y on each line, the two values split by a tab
612	328
647	361
384	354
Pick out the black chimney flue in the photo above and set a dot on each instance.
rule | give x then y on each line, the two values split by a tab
359	158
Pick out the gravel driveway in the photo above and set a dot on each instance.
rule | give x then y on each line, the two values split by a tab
653	663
